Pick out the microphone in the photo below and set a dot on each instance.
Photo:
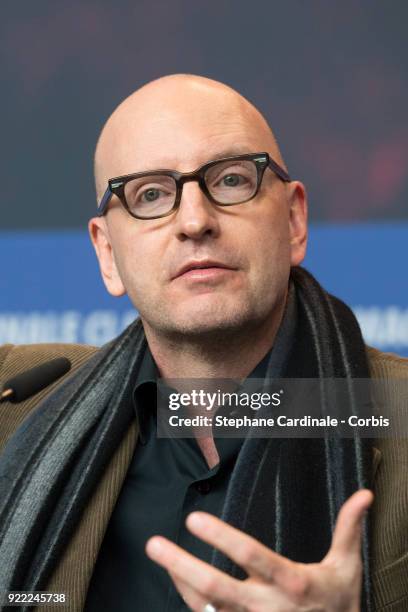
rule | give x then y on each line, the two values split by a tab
31	381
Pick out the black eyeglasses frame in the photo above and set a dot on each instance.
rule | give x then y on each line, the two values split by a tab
116	186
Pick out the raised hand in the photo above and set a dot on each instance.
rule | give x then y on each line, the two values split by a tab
274	583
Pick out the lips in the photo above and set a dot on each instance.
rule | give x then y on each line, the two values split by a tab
200	265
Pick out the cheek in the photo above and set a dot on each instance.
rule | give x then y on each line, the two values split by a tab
272	245
138	262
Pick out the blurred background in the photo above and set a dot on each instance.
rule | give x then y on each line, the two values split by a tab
330	76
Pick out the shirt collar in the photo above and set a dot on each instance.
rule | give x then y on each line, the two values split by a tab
148	371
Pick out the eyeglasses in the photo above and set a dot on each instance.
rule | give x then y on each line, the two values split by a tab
157	193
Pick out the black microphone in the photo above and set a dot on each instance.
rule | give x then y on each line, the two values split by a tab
31	381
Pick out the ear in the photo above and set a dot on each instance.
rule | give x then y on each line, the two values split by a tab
297	222
100	238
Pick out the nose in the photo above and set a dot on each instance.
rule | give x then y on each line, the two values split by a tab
196	217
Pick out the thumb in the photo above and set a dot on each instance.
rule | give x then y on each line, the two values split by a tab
347	533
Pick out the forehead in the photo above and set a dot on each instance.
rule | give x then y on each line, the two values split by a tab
182	137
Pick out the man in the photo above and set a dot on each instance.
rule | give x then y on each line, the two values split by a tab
200	224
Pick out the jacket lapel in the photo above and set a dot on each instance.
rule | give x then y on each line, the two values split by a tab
73	572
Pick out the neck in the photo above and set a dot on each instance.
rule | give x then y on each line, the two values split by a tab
231	354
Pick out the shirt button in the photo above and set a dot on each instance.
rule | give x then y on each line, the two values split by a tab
203	487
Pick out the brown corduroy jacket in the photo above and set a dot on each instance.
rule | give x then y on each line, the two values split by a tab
390	483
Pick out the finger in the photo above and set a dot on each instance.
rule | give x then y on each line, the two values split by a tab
190	596
209	582
271	599
347	534
255	558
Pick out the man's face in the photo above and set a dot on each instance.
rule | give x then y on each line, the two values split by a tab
246	249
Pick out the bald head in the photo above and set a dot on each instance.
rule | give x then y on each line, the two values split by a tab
178	122
181	123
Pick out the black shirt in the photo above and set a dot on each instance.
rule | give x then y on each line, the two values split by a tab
167	479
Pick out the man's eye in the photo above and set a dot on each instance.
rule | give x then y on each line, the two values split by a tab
150	195
233	180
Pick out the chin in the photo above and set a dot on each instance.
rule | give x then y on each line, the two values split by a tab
199	317
208	322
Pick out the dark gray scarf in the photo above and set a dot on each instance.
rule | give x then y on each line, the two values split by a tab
285	492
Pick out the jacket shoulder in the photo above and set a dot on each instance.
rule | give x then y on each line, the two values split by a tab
15	359
389	512
386	365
